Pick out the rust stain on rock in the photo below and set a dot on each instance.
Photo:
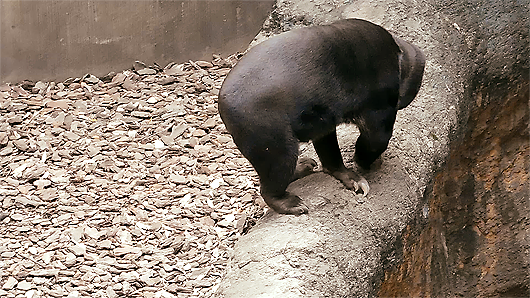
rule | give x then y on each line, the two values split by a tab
515	172
473	243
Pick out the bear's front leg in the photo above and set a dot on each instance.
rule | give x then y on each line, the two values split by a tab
328	151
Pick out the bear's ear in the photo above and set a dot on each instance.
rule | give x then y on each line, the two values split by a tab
411	66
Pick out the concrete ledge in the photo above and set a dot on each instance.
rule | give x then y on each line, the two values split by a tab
343	237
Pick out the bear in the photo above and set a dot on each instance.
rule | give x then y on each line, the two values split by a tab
299	85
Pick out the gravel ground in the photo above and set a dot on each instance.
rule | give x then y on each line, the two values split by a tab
125	185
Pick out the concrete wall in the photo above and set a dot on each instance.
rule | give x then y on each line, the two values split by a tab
53	40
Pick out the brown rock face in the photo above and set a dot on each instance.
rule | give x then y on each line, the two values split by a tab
474	241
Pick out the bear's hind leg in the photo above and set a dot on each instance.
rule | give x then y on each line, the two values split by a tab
274	156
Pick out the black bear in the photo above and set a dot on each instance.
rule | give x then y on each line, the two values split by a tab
299	85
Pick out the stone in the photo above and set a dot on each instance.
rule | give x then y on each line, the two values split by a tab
7	254
17	216
40	86
93	150
31	294
8	149
204	64
3	138
110	292
126	250
198	133
15	120
129	85
146	71
167	80
10	283
93	232
141	114
62	104
70	259
91	79
153	226
175	70
71	136
167	140
178	130
31	202
210	123
42	183
73	294
119	78
21	144
24	285
176	178
48	194
44	272
125	237
158	144
105	244
47	257
78	249
217	182
76	234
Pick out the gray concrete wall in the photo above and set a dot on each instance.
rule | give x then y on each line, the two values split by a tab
54	40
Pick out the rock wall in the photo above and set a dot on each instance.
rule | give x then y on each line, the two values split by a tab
474	240
449	212
54	40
